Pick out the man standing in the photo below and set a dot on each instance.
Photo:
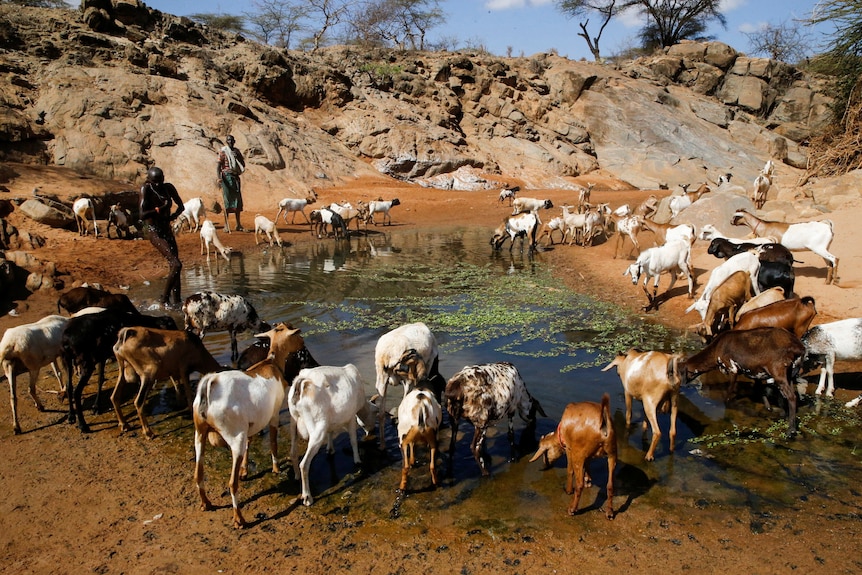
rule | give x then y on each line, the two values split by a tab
230	165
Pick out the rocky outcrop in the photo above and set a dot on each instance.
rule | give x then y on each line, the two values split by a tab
151	88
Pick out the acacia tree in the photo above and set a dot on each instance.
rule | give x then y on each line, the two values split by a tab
225	22
606	9
276	21
786	42
403	24
328	14
667	21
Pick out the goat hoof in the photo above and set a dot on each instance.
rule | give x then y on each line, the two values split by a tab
16	430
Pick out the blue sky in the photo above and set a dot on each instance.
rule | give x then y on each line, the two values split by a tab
530	26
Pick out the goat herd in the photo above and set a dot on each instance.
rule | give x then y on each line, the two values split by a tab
752	322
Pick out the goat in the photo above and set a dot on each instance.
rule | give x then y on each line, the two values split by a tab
794	315
419	417
30	347
760	188
745	261
523	225
726	299
211	311
484	394
347	212
266	227
760	354
813	236
120	219
87	342
520	205
710	232
584	196
585	431
323	400
210	237
84	208
647	207
323	217
78	298
508	194
681	202
776	262
765	297
293	205
671	258
388	353
825	343
724	178
380	206
667	232
651	377
193	213
151	355
231	406
574	225
627	226
549	228
419	414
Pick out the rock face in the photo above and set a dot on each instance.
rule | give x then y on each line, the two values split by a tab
150	88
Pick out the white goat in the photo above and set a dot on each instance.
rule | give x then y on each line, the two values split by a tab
524	225
323	400
193	213
744	261
825	343
709	232
530	205
387	355
672	257
347	212
83	208
294	205
761	188
263	225
30	347
724	178
584	196
231	406
549	228
209	237
813	236
382	207
508	194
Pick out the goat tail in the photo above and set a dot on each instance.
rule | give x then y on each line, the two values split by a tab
673	371
607	422
205	389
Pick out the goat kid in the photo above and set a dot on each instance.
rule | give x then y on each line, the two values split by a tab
828	342
210	237
585	431
266	227
84	208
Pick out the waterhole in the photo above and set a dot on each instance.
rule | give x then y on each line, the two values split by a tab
485	306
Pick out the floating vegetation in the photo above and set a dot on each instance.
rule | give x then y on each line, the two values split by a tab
470	305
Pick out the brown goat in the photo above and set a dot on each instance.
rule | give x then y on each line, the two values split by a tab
157	354
651	377
76	299
794	314
729	296
585	431
759	354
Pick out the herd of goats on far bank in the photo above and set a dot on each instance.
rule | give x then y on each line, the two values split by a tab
753	324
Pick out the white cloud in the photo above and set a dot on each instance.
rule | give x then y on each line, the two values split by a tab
748	27
632	18
731	5
510	4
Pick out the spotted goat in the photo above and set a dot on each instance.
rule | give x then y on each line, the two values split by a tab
211	311
484	394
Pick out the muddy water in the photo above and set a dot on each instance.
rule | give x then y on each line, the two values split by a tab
483	307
